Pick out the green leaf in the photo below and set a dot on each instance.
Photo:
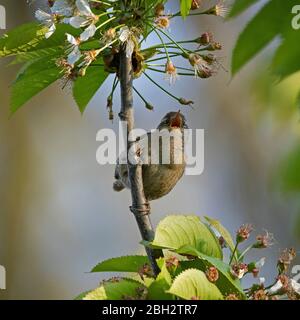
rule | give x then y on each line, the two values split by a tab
55	45
122	264
225	283
33	78
37	54
82	295
31	37
21	39
185	7
222	230
149	53
240	6
260	31
193	284
286	60
273	20
174	232
298	100
289	172
117	289
86	87
159	287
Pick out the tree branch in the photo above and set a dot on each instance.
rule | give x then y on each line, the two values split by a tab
140	206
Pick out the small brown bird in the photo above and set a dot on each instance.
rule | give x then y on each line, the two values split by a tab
160	177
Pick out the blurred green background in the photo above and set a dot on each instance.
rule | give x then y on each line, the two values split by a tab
59	215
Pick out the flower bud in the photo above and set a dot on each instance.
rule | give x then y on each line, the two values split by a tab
110	107
260	295
285	259
171	72
145	270
210	58
185	102
205	39
214	46
243	232
285	281
196	4
264	241
163	22
172	262
219	10
109	35
195	59
205	73
82	71
238	270
212	274
159	10
109	102
149	106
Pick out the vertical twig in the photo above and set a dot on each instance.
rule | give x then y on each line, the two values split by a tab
140	206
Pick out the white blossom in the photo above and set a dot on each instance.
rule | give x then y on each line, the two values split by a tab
88	32
48	20
85	18
262	280
75	53
277	286
295	285
64	8
84	7
259	264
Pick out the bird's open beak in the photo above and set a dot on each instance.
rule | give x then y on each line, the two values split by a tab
176	122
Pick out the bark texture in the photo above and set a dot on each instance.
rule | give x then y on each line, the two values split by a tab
140	206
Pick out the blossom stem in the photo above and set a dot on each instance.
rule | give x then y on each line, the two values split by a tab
163	66
140	95
107	45
172	40
106	13
160	87
170	43
104	3
164	45
233	253
180	73
178	14
245	252
106	22
119	26
115	84
162	58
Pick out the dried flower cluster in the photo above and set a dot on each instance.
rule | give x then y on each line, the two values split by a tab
282	287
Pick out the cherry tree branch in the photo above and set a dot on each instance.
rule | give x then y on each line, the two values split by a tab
140	206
